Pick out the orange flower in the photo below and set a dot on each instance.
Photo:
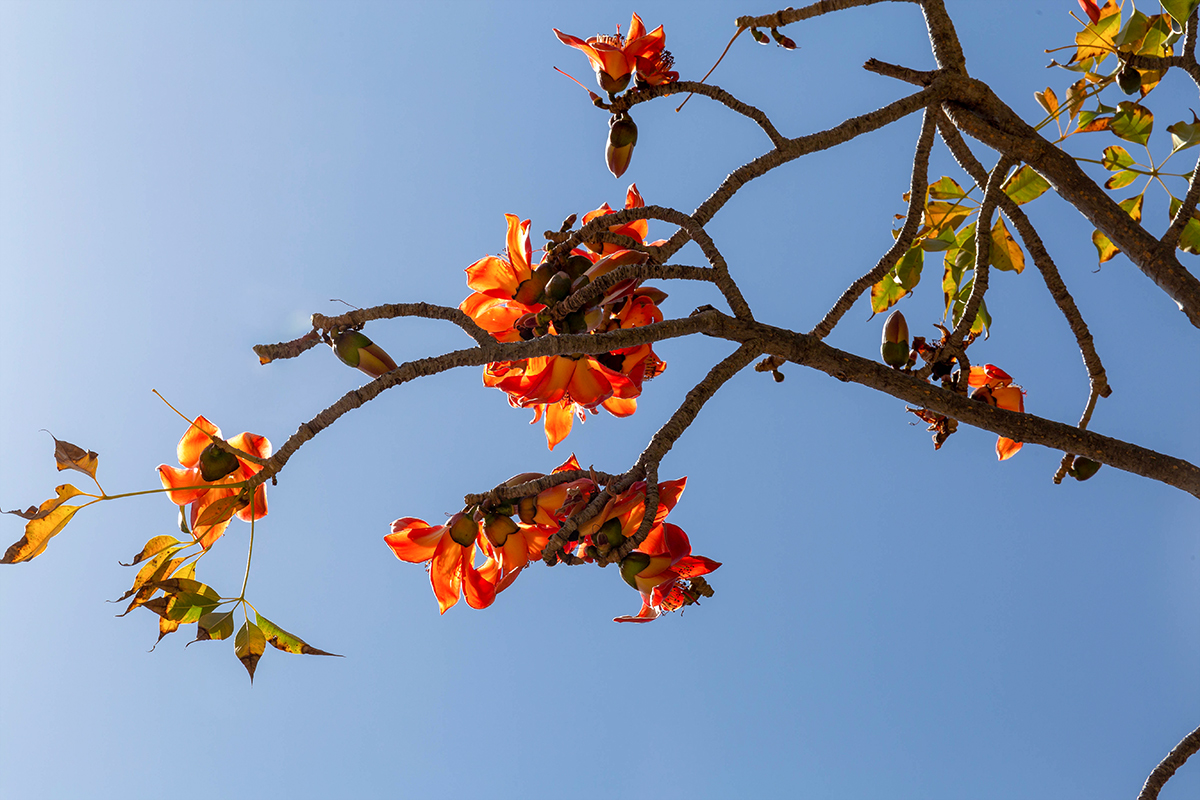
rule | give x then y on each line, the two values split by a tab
206	467
509	294
995	387
638	229
661	569
450	551
616	58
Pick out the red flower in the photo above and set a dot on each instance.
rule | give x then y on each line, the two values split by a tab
616	58
450	551
206	467
662	569
509	294
995	387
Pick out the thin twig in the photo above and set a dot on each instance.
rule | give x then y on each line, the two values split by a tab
916	207
631	99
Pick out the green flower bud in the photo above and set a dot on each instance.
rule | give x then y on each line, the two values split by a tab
558	287
216	463
895	347
354	349
1129	79
1083	468
622	136
463	529
498	528
610	534
632	564
610	84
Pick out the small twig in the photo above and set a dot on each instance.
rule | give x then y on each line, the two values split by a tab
1068	459
595	290
916	207
631	99
917	77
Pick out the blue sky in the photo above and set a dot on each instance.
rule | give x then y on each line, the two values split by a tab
179	182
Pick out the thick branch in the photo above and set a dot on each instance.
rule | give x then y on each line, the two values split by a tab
978	112
595	290
1174	760
1037	251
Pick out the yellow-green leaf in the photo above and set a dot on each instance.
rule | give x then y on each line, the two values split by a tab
1075	97
1133	33
166	626
153	547
943	241
1133	206
1180	9
1005	254
983	320
1121	179
159	566
1189	240
1096	41
902	279
282	640
1116	158
1047	100
249	645
1185	134
1104	248
946	188
40	530
939	215
1025	185
215	625
1133	122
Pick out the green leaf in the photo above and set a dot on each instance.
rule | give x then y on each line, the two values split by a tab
215	625
1116	158
946	188
1185	134
943	241
1132	122
1181	10
282	640
153	547
1005	254
983	320
1121	179
1189	240
1134	31
1025	185
249	645
902	279
159	566
43	527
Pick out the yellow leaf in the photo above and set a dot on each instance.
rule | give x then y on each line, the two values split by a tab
1006	253
249	645
51	518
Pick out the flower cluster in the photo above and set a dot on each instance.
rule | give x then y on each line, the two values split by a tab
512	299
662	568
207	469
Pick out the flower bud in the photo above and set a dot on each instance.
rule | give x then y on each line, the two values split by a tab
531	288
631	565
575	322
497	528
610	534
527	509
1129	79
216	463
463	529
655	294
622	136
895	348
558	287
759	36
577	265
610	84
1083	468
354	349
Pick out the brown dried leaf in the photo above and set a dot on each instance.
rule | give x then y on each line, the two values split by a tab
70	456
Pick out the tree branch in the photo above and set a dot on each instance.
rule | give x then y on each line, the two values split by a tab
916	207
1174	760
631	99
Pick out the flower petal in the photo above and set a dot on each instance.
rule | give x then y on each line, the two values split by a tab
194	440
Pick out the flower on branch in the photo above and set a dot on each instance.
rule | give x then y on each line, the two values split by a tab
450	552
664	570
994	386
207	469
617	58
513	299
